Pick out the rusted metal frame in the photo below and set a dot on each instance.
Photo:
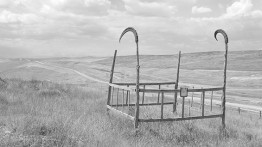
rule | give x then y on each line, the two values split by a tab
177	80
137	72
111	78
120	113
180	119
225	74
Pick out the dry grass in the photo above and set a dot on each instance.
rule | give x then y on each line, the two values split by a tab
36	113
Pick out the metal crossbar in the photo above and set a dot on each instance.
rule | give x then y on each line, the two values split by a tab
129	87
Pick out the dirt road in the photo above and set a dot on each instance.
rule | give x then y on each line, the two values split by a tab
196	99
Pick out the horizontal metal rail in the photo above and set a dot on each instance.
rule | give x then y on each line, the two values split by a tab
122	87
178	90
158	83
179	119
149	104
121	113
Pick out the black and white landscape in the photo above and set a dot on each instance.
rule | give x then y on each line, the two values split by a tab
56	58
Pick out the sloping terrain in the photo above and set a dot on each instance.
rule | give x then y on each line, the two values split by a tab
39	113
198	70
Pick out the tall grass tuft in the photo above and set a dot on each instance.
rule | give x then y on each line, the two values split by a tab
40	113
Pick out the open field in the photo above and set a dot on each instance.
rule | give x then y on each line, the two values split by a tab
35	113
197	70
65	103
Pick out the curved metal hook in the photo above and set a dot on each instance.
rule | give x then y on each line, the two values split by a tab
225	74
223	33
131	30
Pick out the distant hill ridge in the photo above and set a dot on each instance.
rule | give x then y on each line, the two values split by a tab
237	60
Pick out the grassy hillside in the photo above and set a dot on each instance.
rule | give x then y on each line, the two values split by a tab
35	113
238	60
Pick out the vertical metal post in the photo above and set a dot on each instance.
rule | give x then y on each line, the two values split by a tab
162	105
183	106
117	98
225	75
127	95
137	89
111	79
200	106
129	98
260	115
189	107
238	110
123	98
211	101
143	98
177	80
137	72
112	101
203	103
224	90
192	101
159	87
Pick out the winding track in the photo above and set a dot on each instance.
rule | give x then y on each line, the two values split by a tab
197	99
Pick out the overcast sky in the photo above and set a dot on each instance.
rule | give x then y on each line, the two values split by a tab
42	28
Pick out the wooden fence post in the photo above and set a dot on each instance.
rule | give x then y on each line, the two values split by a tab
177	80
111	79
